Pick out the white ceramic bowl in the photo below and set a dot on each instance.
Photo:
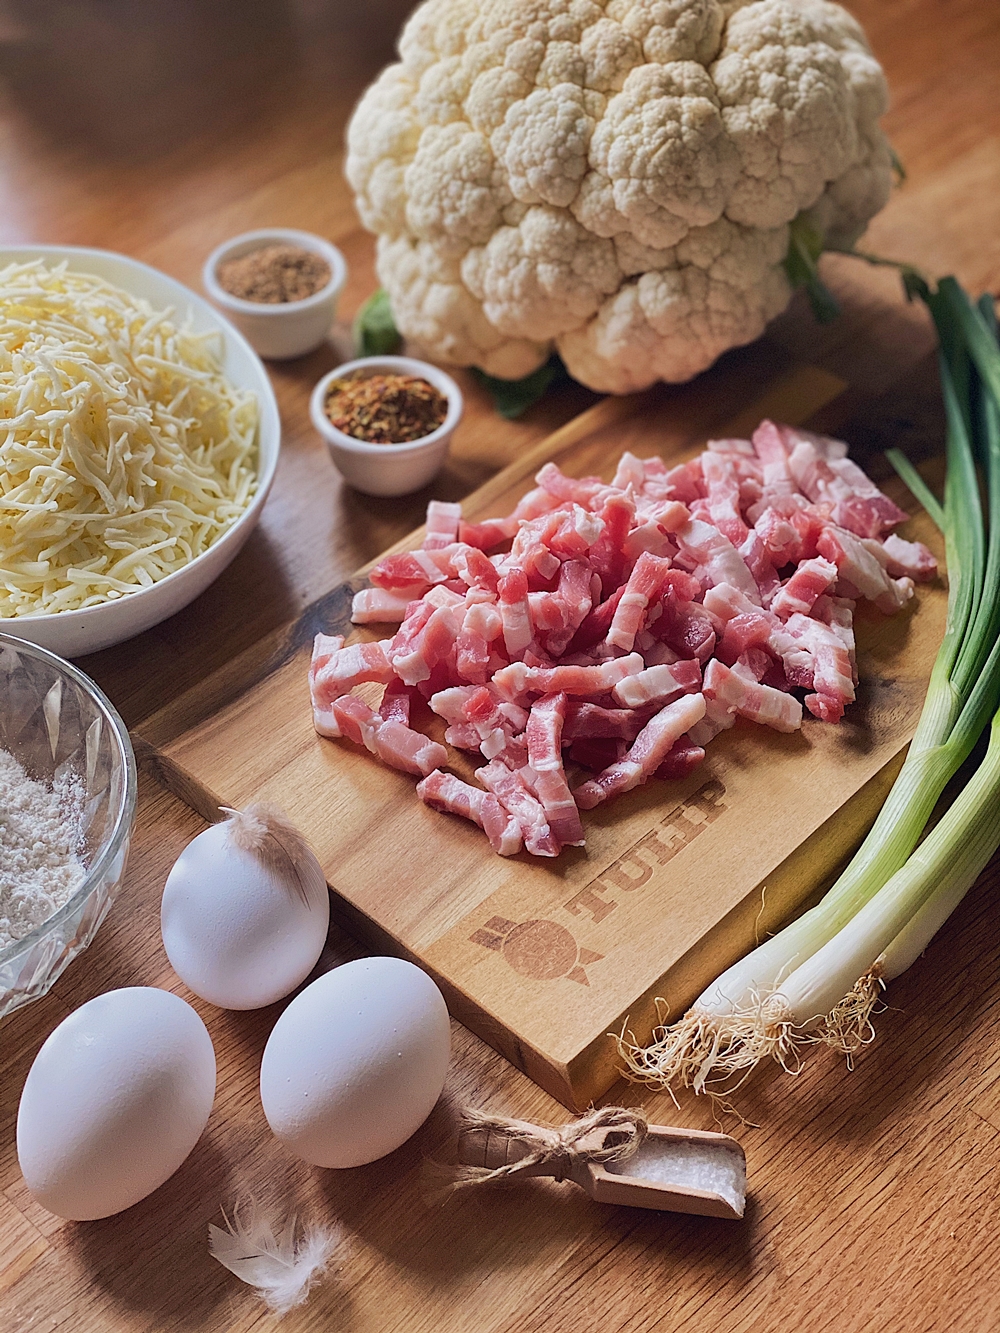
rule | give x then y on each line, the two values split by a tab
288	328
388	469
73	633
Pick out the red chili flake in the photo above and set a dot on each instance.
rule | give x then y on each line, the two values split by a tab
385	409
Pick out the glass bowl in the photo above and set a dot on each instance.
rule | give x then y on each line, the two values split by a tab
53	720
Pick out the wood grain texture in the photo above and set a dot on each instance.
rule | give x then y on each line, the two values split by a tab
160	129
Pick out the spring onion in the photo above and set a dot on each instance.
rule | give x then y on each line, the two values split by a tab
820	977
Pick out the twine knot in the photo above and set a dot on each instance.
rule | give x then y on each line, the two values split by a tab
492	1147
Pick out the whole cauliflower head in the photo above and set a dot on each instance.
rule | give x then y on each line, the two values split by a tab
614	178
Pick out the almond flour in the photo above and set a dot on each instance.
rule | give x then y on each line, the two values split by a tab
40	836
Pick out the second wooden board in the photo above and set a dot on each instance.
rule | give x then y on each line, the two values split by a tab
546	958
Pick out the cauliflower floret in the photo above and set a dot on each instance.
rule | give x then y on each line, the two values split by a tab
430	300
378	157
614	179
723	284
672	29
788	105
455	192
542	277
662	159
543	142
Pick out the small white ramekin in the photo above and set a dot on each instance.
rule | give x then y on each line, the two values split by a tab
287	328
388	469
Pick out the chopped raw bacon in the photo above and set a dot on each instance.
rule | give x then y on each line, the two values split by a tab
354	719
760	703
510	790
658	684
590	721
515	613
859	568
680	761
379	605
442	525
608	555
644	584
517	681
424	639
714	559
832	666
631	471
481	627
618	626
544	733
442	791
409	569
723	486
324	648
564	488
336	671
650	749
395	743
401	747
811	579
396	702
493	532
908	558
596	623
477	570
684	625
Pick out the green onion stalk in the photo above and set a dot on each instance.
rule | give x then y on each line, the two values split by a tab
821	976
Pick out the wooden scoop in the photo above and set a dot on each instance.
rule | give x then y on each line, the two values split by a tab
677	1170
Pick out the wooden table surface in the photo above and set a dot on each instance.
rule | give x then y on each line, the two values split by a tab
160	129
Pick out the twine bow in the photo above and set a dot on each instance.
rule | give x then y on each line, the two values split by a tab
611	1134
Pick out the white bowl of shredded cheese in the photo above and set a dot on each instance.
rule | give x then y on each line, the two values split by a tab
139	436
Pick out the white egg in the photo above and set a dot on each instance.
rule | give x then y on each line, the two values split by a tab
116	1099
243	927
356	1062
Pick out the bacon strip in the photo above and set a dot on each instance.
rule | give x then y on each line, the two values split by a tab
443	791
510	790
544	734
379	604
748	698
658	684
442	525
515	614
643	587
518	680
395	743
650	749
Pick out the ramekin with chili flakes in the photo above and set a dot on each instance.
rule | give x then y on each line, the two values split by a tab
387	421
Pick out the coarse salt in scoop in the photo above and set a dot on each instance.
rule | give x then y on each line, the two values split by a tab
613	1154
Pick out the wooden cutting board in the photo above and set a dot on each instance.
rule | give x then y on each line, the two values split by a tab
545	958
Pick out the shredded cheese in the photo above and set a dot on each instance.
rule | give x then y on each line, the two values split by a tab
124	450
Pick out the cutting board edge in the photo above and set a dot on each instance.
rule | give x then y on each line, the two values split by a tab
578	1078
592	1070
550	1073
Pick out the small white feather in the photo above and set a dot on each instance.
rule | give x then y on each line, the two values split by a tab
282	1269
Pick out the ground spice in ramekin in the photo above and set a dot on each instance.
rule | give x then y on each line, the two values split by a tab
274	274
385	409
